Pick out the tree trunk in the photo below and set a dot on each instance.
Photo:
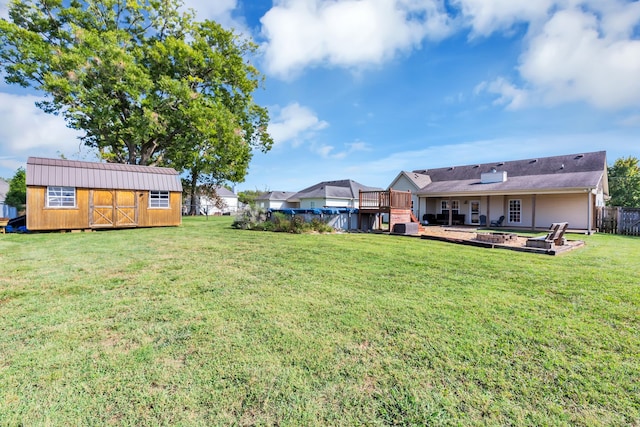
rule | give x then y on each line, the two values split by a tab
193	187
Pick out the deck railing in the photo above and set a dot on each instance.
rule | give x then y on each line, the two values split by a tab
385	199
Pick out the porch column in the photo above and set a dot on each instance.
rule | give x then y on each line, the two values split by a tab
589	212
488	211
450	213
533	212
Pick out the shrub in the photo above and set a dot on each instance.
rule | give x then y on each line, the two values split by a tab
320	226
249	218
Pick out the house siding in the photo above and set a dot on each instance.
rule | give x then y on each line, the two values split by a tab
571	208
275	204
549	208
319	203
404	184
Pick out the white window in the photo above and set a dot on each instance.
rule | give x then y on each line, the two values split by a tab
515	208
61	197
312	205
455	207
158	199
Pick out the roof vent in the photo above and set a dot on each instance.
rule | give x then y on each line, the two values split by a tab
562	166
500	164
494	170
476	166
451	168
533	161
579	156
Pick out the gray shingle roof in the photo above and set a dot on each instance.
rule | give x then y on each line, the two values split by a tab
275	195
342	189
73	173
419	180
224	192
573	171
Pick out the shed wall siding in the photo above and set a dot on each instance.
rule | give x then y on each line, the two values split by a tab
160	217
39	217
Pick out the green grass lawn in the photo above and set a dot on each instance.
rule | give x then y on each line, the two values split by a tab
206	325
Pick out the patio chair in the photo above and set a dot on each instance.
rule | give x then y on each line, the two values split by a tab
498	223
555	237
483	220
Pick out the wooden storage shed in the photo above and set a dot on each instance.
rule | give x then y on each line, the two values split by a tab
75	195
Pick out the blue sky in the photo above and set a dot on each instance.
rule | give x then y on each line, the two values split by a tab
362	89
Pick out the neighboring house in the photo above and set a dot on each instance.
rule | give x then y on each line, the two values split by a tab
228	203
343	193
274	200
70	195
530	193
4	189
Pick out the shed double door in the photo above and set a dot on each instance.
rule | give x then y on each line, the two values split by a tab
113	208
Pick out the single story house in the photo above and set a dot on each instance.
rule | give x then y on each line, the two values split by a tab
70	195
274	200
227	204
343	193
530	193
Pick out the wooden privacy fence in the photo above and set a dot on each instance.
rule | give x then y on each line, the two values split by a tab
619	220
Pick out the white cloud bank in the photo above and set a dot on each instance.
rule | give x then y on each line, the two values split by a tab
574	50
349	33
30	130
583	51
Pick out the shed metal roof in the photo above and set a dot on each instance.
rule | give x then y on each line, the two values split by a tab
73	173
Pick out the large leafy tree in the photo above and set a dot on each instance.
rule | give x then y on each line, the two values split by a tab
145	82
624	182
248	197
17	194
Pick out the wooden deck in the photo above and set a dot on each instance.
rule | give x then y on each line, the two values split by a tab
384	201
393	202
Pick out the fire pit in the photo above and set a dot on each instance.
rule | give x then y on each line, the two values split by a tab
496	237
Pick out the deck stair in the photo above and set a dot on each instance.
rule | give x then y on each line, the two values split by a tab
414	219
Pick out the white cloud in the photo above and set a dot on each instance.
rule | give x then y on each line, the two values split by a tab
328	151
485	17
27	130
294	123
577	58
509	94
349	33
